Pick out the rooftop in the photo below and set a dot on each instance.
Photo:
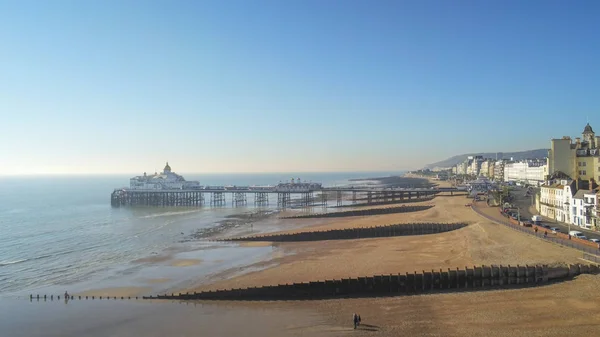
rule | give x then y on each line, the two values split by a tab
581	193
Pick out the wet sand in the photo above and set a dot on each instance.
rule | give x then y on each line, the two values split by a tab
21	318
185	262
195	259
115	291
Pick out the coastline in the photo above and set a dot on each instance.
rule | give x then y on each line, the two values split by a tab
267	263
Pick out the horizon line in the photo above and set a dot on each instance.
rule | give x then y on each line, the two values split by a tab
189	173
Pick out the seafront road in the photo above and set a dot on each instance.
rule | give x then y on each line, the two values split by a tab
528	210
493	214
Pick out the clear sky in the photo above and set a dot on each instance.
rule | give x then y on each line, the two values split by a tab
296	85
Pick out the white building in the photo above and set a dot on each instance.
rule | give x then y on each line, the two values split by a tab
583	207
297	186
561	201
485	168
464	167
528	171
166	180
475	166
592	200
567	202
552	200
468	165
499	170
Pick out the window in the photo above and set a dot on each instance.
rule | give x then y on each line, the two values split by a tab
583	164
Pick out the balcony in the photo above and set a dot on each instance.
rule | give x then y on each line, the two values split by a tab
550	205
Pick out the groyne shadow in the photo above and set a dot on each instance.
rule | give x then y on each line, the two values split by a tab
426	282
356	233
362	212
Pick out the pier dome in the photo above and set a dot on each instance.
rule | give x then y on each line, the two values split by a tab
588	129
167	180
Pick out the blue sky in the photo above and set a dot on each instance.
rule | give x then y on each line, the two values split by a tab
275	86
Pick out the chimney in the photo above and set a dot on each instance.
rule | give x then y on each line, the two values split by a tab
578	142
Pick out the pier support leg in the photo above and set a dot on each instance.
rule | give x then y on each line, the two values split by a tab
217	199
261	199
283	199
238	199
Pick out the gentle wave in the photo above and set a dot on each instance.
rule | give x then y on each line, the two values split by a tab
150	216
7	263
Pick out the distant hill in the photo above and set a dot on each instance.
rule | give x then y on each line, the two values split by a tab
531	154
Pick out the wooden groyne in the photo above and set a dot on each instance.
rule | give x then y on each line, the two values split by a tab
377	203
357	233
45	297
476	278
362	212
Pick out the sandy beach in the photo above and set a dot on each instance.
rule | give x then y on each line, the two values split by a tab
566	308
482	242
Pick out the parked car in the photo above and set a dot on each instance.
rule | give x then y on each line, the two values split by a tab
580	236
546	226
555	230
595	240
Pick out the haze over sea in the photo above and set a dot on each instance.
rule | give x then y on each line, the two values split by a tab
60	232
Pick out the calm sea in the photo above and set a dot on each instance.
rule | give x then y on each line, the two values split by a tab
60	231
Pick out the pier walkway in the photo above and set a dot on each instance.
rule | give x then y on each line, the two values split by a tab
260	197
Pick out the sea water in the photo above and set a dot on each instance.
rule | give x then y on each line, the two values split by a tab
60	232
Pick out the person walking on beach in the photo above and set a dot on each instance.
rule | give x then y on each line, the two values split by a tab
355	319
545	234
359	314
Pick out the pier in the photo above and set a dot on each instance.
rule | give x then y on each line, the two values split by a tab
169	189
260	197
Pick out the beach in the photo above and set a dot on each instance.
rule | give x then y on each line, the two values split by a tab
553	309
495	312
